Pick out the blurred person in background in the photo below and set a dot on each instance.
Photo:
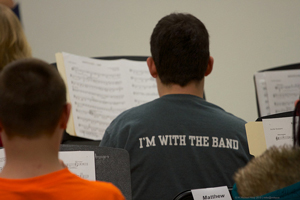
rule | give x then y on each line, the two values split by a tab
13	5
13	42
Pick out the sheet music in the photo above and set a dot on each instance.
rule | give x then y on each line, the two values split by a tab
2	159
278	131
262	94
101	89
282	90
142	86
81	163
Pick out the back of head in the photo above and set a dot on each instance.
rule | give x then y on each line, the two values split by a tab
180	49
32	98
13	43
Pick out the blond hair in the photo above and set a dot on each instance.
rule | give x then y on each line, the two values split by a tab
276	168
13	43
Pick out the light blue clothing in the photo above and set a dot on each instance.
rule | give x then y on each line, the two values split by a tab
291	192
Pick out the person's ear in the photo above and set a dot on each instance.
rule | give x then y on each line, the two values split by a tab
209	66
65	116
152	67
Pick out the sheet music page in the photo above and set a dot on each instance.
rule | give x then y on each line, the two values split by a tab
81	163
2	158
101	89
97	93
262	94
278	131
142	86
283	90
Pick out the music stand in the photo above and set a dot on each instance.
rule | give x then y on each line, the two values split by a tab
111	165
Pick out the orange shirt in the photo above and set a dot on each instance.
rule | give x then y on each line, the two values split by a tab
59	185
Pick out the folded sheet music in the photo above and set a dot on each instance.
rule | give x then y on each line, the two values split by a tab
99	90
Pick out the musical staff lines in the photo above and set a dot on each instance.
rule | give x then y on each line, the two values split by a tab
100	90
81	163
81	73
277	90
138	72
288	87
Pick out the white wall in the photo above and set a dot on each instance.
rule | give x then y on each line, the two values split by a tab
246	36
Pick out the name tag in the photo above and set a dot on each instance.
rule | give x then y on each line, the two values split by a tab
215	193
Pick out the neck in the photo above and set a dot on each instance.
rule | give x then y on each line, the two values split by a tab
192	88
26	158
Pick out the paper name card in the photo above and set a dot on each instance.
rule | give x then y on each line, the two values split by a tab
215	193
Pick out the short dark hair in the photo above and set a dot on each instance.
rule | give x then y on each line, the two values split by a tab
180	49
32	98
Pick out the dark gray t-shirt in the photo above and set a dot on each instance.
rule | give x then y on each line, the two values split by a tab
179	142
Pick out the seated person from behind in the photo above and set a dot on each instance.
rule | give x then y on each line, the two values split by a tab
33	116
273	175
179	141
